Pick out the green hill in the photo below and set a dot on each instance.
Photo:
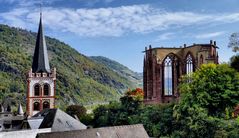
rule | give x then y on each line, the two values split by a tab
80	80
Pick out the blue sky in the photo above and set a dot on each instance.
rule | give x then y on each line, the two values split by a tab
121	29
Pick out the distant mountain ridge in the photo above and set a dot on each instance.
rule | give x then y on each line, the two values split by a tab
80	79
122	70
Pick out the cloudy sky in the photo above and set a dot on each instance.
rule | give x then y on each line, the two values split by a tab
121	29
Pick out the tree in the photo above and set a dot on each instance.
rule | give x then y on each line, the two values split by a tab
234	62
77	110
132	100
157	119
212	90
120	113
106	115
234	42
213	87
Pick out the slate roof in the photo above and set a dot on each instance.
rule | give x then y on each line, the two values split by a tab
40	62
13	118
58	120
129	131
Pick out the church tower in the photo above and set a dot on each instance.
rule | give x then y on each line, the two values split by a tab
41	79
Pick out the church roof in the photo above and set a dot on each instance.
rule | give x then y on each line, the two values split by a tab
130	131
58	120
40	62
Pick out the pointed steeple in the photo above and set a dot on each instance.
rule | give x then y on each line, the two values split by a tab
1	108
40	62
19	110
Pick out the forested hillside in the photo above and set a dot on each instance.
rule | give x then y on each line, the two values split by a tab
80	80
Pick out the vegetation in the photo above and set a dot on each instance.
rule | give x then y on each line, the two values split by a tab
234	62
208	101
157	119
212	87
206	107
234	45
80	80
77	110
234	42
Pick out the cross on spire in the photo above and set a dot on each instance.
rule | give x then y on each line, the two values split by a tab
41	4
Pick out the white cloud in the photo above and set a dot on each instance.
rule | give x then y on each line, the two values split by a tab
165	36
26	3
209	35
112	21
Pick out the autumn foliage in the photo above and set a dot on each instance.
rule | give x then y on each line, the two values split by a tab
137	94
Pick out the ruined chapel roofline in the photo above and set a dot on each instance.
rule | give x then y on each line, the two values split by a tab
212	43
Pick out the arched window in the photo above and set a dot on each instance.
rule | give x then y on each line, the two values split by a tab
201	60
46	105
37	90
189	64
36	106
46	89
168	76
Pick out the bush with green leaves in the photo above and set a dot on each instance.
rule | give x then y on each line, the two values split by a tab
212	87
204	110
157	119
77	110
234	62
207	101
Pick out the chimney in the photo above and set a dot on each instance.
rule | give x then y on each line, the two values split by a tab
184	45
211	42
150	47
214	43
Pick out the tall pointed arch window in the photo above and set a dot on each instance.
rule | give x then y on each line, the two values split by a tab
189	64
46	89
168	76
37	90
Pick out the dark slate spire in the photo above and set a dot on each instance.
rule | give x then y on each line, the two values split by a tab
40	62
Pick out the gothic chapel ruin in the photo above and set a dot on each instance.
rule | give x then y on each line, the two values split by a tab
164	66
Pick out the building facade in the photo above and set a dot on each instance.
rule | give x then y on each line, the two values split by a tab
41	78
163	68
